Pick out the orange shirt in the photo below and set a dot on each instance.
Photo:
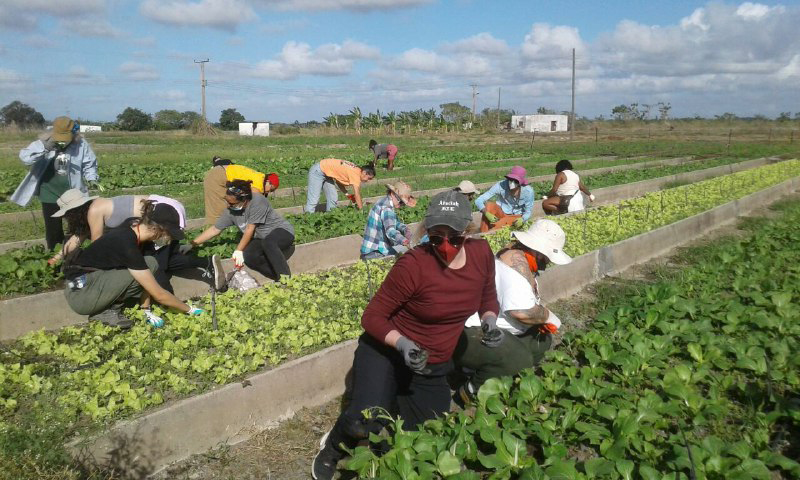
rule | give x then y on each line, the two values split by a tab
344	172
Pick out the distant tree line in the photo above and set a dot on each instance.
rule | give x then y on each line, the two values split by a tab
450	117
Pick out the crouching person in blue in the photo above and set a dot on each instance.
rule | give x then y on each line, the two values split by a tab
385	234
112	273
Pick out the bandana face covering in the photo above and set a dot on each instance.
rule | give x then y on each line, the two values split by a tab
513	184
447	251
532	262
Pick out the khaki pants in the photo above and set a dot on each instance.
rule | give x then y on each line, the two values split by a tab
214	194
105	288
503	219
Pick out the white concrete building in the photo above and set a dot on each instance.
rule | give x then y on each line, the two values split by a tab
540	123
254	129
91	128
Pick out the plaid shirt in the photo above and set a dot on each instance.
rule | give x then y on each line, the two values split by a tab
383	229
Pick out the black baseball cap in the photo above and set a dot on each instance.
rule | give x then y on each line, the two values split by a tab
449	208
167	217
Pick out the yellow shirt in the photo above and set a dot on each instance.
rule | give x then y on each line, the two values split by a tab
240	172
344	172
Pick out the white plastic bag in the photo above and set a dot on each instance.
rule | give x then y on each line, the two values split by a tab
242	281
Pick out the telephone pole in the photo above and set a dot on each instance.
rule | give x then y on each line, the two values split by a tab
203	83
474	96
498	107
572	114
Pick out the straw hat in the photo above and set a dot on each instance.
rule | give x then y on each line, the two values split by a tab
402	190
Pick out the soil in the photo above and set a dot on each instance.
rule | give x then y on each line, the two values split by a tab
286	451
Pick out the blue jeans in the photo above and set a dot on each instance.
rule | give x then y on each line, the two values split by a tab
317	181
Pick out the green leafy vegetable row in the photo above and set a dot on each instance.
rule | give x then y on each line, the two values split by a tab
693	377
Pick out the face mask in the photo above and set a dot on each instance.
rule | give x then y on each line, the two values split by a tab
236	208
447	251
531	262
513	184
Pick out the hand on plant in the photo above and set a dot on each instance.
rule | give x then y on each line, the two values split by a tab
416	358
238	259
518	223
351	197
591	197
97	186
185	248
492	335
53	261
492	218
152	319
195	311
548	328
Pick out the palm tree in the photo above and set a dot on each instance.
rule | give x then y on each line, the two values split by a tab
355	113
391	120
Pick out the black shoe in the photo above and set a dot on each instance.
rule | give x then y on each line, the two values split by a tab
323	467
113	317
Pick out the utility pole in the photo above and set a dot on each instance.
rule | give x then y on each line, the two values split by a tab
474	96
203	83
572	114
498	107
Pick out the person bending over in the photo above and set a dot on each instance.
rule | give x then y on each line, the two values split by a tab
527	323
412	326
216	180
383	150
267	240
330	173
112	273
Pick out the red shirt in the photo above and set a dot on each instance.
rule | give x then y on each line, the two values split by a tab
428	302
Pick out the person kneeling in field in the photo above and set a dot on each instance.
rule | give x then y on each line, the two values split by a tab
330	173
267	238
513	203
527	324
112	273
89	217
224	171
384	234
565	196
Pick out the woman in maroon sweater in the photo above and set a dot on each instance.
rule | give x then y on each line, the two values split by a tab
412	326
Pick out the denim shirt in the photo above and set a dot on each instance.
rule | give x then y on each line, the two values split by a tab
510	204
82	165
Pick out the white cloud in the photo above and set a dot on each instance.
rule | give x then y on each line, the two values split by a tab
90	27
220	14
757	11
139	71
12	81
330	59
547	42
482	43
22	14
351	5
460	65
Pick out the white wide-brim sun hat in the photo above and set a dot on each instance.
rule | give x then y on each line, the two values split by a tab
72	198
547	238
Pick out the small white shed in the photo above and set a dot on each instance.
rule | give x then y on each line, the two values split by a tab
540	123
254	129
91	128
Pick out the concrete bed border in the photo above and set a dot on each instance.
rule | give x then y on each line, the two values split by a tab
232	413
49	310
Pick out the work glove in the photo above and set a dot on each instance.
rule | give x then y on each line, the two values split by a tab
152	319
591	197
491	217
94	185
416	358
185	248
519	223
49	145
544	197
195	311
238	259
351	197
492	336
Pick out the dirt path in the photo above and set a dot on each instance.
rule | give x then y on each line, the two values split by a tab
285	452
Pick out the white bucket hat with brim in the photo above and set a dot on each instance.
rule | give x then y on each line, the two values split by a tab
467	187
547	238
72	198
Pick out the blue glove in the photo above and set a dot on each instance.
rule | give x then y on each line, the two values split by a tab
195	311
152	319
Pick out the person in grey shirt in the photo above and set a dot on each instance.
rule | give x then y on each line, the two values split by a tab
267	238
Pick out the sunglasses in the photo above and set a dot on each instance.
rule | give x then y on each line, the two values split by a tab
455	240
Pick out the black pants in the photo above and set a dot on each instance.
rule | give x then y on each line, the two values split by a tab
382	380
268	256
53	227
170	260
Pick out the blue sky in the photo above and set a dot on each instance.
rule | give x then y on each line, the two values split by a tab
286	60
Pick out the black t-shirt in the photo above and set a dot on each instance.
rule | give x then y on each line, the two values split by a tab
116	249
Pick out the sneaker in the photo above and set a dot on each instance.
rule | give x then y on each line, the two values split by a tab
324	464
152	319
217	273
113	317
